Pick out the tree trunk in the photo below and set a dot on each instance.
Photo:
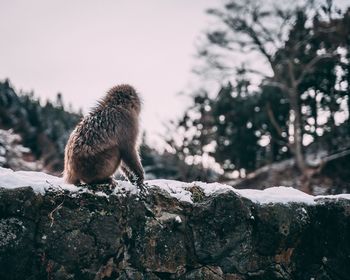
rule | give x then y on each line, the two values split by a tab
297	145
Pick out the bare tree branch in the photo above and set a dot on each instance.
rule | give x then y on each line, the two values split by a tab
280	85
273	120
310	66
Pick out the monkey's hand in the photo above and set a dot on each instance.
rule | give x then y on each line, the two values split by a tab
138	181
143	190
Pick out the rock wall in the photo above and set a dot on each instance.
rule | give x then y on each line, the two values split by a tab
64	235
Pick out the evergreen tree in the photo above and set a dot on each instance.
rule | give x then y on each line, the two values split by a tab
300	102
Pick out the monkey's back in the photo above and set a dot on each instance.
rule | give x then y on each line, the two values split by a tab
93	149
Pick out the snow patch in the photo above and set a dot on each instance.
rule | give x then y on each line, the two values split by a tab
102	194
284	195
276	195
41	182
176	189
178	219
124	188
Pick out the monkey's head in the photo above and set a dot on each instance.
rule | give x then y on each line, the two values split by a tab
123	96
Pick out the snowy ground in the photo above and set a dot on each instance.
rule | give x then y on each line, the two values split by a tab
41	182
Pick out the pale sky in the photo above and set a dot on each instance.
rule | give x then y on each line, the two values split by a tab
81	48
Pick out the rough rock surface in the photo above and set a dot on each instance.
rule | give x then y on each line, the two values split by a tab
63	235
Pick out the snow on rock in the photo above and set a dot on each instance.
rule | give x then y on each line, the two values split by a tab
176	189
40	182
280	194
84	233
178	219
277	195
124	187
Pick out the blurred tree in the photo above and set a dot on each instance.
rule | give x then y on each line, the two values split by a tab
304	52
237	143
44	129
300	59
171	165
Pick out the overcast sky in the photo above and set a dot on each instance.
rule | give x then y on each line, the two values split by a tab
81	48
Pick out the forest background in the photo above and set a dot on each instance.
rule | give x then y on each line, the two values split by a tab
279	117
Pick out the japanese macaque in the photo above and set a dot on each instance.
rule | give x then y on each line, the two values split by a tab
105	139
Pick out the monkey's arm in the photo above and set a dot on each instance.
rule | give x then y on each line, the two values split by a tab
131	166
126	172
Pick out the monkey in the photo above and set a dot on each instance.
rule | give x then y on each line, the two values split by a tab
105	139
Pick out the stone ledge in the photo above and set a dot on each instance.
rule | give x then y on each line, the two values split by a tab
84	235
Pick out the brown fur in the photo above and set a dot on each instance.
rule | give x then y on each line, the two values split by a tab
105	139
